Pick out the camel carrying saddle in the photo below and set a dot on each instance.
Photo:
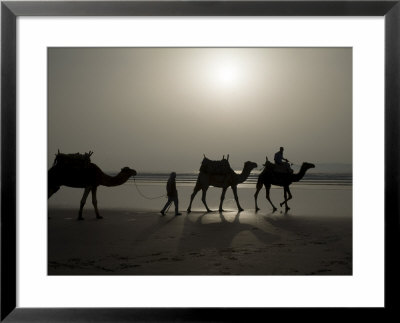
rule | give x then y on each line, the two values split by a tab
283	169
77	160
219	167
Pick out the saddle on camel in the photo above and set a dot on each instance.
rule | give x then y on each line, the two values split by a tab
278	168
217	167
77	160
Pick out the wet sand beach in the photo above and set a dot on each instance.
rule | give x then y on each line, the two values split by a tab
313	238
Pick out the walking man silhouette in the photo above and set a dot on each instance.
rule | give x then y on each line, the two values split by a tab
172	194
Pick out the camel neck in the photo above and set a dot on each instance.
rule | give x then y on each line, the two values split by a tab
243	175
297	177
117	180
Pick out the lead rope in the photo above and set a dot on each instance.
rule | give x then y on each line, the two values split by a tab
146	197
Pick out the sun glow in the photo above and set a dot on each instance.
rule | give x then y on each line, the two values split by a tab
226	75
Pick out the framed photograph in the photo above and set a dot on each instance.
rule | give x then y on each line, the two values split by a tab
162	159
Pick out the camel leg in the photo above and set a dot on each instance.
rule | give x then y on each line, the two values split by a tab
222	199
284	196
203	199
52	190
258	189
234	189
83	201
94	201
267	189
289	198
195	191
288	195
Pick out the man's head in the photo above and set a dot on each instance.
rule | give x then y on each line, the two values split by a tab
173	175
281	149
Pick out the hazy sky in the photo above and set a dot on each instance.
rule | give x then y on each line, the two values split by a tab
158	109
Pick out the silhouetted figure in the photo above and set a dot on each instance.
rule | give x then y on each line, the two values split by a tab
270	177
281	161
76	170
219	174
172	194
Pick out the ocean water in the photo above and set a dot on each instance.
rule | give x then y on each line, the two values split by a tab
190	178
316	193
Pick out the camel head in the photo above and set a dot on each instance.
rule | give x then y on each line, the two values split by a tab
307	166
250	165
128	171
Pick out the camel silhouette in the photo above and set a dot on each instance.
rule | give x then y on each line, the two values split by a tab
269	177
223	180
88	177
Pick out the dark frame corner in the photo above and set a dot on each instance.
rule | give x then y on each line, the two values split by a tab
10	10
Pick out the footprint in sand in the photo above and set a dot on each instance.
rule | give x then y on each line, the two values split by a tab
162	259
225	273
177	259
127	266
339	262
318	242
323	270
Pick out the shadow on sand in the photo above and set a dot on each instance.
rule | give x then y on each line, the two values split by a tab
217	230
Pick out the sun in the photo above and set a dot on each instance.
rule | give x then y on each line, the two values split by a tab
226	75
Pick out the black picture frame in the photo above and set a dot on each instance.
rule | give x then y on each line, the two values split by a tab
11	10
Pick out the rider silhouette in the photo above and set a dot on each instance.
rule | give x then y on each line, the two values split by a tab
280	160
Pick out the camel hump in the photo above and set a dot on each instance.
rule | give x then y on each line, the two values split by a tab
277	169
282	169
269	166
76	160
215	166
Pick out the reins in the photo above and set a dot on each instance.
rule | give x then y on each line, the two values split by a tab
147	197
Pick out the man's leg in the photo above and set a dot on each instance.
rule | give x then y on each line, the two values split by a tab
176	206
166	205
